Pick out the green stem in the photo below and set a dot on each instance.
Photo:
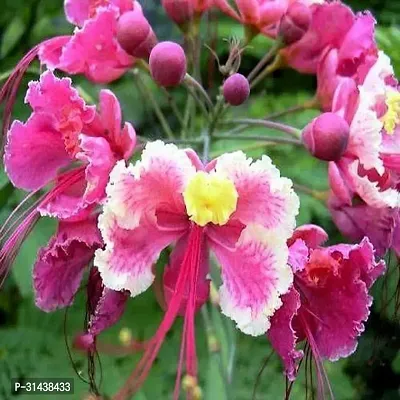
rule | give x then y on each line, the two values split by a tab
307	105
265	60
276	64
157	110
317	194
296	133
143	139
190	81
259	138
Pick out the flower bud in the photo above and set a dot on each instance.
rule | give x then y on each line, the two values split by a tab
83	341
168	64
326	137
135	35
294	23
180	11
236	89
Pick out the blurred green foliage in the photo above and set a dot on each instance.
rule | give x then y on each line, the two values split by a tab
33	343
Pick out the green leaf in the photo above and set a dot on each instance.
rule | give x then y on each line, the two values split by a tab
12	34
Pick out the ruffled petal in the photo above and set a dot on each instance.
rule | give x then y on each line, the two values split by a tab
339	305
312	235
298	255
282	334
50	51
127	259
255	274
59	268
264	197
155	184
78	11
97	155
107	123
94	50
34	152
57	96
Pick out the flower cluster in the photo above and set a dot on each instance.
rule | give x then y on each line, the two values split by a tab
115	218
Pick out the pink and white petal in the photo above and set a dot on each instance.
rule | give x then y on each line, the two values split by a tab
59	268
365	135
370	191
264	197
94	50
374	82
154	184
282	334
337	173
312	235
50	51
34	152
255	275
127	259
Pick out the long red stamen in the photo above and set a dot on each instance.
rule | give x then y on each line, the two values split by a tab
188	269
27	221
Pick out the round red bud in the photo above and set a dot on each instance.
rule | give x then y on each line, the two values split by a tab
168	64
294	23
135	35
326	137
236	89
180	11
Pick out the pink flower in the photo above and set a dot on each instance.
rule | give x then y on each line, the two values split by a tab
63	133
92	50
242	211
352	38
329	301
183	11
369	169
259	15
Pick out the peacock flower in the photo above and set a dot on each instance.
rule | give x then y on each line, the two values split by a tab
329	301
70	147
369	169
242	211
92	50
352	41
260	16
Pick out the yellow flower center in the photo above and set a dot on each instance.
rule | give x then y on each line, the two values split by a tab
210	198
392	116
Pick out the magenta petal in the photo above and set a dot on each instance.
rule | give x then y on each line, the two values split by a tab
359	41
361	220
312	235
59	268
282	334
337	307
59	98
106	306
94	51
50	51
34	152
298	255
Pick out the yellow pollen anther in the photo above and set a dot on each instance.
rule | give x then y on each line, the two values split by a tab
125	336
392	116
210	198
